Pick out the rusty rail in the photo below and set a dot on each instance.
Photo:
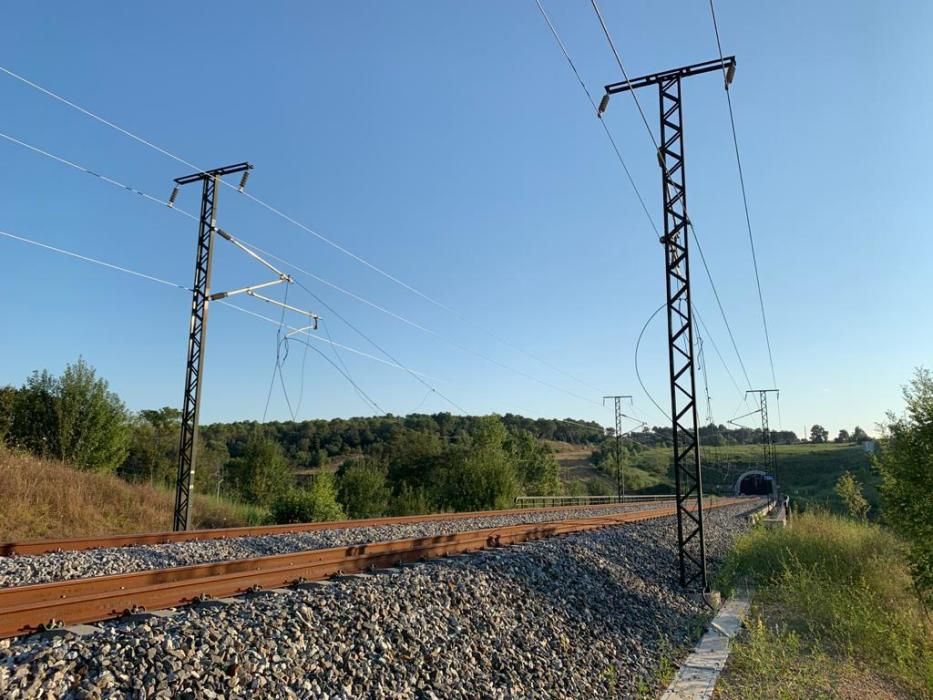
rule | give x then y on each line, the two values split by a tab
167	537
25	609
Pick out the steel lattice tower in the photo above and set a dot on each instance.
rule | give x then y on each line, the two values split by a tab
620	478
197	331
767	444
688	474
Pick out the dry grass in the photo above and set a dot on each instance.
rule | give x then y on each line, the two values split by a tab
43	499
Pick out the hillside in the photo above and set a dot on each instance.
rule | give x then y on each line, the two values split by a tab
42	498
807	471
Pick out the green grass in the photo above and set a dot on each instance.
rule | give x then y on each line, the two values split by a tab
834	614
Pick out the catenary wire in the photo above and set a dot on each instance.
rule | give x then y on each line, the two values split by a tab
272	256
589	97
291	220
748	219
224	302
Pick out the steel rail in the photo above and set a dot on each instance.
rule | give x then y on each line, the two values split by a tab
25	609
168	537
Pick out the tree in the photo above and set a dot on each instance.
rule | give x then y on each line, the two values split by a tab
537	469
859	435
479	473
843	436
850	491
153	446
316	503
362	489
906	465
75	418
819	434
8	396
261	475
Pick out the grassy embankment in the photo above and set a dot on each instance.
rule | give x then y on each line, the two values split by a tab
807	471
834	615
42	498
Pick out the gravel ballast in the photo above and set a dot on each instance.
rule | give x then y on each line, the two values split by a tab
61	566
588	615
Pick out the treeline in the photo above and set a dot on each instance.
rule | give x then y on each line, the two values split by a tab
314	470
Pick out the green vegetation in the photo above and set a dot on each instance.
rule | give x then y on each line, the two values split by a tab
906	465
74	417
850	491
835	614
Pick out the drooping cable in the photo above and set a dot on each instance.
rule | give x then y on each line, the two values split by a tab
748	219
277	367
638	372
379	347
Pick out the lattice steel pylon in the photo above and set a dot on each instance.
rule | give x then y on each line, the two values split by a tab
197	330
620	477
767	444
688	473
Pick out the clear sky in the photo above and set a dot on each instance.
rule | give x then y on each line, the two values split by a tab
449	144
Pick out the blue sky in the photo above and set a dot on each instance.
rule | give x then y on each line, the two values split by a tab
449	144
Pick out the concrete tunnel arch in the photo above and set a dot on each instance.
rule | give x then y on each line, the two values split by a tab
754	482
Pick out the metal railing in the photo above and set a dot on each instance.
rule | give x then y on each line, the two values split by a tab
551	501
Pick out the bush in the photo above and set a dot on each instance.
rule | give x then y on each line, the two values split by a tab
362	489
317	503
261	475
906	466
411	501
850	491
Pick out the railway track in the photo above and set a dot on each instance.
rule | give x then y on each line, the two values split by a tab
25	609
24	547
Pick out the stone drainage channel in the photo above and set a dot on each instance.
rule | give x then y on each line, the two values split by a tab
585	615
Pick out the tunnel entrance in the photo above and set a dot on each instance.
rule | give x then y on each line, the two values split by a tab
754	483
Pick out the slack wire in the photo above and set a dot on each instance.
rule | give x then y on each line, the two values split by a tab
277	368
748	219
380	348
343	374
339	357
589	97
637	372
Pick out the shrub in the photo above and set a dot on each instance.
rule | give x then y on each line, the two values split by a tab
315	504
362	489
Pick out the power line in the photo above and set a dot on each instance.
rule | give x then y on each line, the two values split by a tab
224	302
722	311
748	220
289	219
602	23
612	141
593	104
257	249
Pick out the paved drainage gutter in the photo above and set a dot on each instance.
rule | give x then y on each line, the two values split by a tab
697	677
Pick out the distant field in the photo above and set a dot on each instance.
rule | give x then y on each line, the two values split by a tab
808	472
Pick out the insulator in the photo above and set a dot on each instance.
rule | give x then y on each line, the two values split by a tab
171	200
730	75
661	159
243	180
603	104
